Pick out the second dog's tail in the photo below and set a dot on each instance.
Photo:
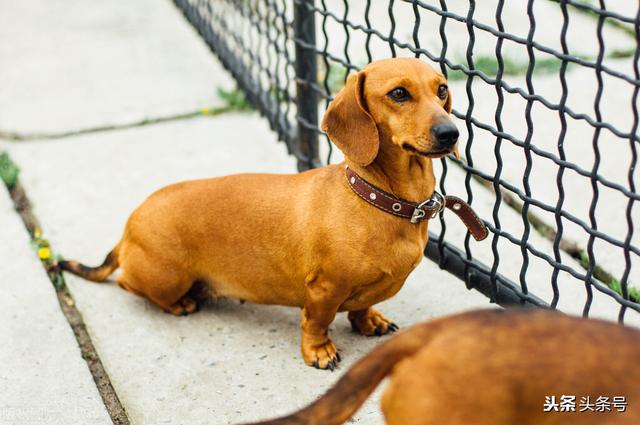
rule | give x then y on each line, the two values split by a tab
341	401
95	274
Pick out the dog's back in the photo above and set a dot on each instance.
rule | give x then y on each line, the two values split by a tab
500	367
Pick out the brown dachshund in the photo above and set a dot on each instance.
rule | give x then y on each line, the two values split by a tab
306	240
494	367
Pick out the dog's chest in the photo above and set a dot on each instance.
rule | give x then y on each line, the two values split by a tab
382	275
402	256
402	248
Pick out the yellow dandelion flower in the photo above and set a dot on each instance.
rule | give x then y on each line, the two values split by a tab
44	253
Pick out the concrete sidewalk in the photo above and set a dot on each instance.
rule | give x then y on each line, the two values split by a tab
43	378
76	67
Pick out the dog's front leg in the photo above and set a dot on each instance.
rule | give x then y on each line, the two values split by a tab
320	308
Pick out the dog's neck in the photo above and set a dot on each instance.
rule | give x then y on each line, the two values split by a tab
409	177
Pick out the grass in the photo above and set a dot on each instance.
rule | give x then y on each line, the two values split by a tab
234	99
622	53
606	278
280	94
335	77
8	171
489	66
49	260
634	293
627	29
569	247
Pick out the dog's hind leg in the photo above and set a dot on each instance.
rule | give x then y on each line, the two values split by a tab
171	297
158	280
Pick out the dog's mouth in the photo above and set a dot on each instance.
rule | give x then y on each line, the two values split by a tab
430	154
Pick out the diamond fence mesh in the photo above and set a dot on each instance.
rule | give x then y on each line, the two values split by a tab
547	97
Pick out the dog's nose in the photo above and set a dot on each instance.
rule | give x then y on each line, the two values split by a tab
446	134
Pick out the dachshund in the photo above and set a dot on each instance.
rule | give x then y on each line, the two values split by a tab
307	240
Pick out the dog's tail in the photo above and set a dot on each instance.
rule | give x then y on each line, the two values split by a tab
95	274
343	399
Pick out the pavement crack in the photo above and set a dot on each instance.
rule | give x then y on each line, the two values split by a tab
67	303
23	137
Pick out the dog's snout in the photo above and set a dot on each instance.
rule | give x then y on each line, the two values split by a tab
445	134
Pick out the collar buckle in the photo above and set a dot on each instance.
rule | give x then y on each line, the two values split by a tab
433	205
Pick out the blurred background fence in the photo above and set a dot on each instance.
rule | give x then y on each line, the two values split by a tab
547	92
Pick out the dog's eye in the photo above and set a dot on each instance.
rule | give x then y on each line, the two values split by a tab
399	94
443	92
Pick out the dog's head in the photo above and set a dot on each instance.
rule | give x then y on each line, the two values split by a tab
401	103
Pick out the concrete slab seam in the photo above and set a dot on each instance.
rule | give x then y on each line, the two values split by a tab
71	313
20	137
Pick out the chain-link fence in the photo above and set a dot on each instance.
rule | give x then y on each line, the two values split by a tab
547	92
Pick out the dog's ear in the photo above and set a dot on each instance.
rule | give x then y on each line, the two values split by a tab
349	125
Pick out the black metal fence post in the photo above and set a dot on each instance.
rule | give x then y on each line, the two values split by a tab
306	67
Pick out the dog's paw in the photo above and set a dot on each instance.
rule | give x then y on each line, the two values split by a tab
184	306
371	322
322	356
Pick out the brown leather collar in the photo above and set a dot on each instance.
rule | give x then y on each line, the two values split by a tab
417	212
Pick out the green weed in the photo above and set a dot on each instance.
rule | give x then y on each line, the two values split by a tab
235	99
335	76
608	279
489	66
8	171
